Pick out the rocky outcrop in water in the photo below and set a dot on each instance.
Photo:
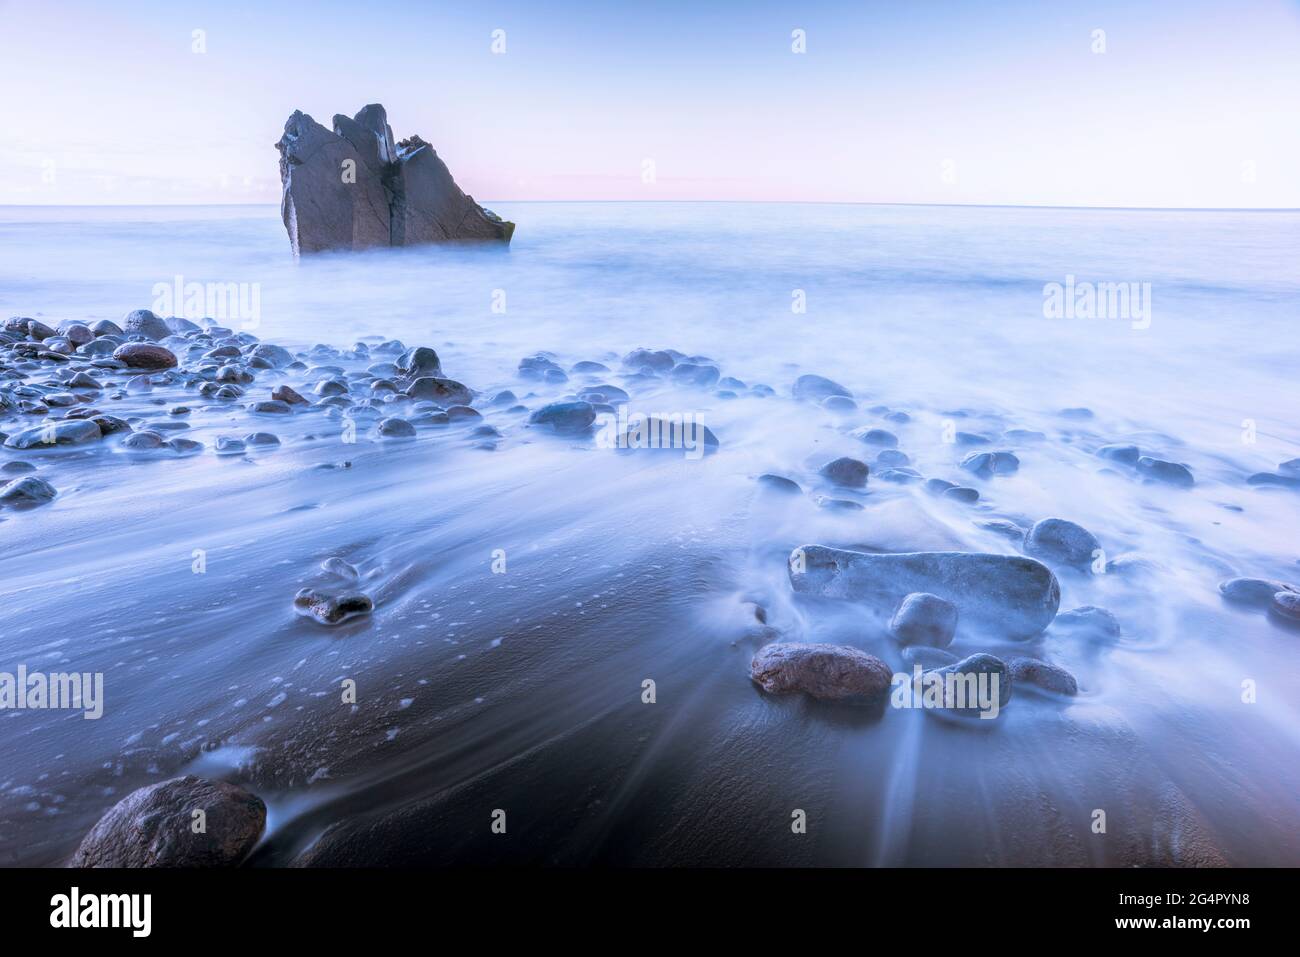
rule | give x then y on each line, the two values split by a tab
355	188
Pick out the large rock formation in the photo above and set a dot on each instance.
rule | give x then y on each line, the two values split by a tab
355	188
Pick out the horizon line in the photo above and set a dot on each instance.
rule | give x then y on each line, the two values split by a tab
752	202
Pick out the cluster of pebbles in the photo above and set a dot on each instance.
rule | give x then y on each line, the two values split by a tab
134	387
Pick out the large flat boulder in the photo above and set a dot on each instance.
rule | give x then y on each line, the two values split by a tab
1006	594
354	187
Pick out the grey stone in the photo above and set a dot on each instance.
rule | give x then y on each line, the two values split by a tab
142	322
1060	542
50	434
565	417
1256	592
828	672
1041	675
845	472
1007	594
143	355
26	492
154	827
1168	473
331	609
924	619
816	388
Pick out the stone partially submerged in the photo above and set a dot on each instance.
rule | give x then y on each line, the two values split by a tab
828	672
155	827
355	188
1007	594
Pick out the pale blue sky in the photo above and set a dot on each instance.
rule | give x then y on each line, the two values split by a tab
1193	103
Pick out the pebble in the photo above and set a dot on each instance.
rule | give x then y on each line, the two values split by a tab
154	827
846	472
988	464
779	484
1287	604
1168	473
143	355
329	609
1256	592
568	418
816	388
63	433
395	428
1061	542
828	672
880	438
142	322
924	619
1041	675
1089	621
26	492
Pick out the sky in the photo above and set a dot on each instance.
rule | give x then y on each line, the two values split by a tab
1187	103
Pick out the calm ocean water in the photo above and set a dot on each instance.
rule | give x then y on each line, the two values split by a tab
481	690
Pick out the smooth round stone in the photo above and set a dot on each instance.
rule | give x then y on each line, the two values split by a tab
64	433
881	438
264	440
817	388
1088	621
845	472
1061	542
587	367
417	362
17	467
144	441
144	355
106	327
111	424
963	494
1043	676
839	505
924	619
565	417
988	464
1256	592
185	446
154	827
271	407
226	445
778	484
26	492
1124	454
899	476
892	458
395	428
142	322
839	403
1167	473
1287	604
829	672
275	356
462	413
